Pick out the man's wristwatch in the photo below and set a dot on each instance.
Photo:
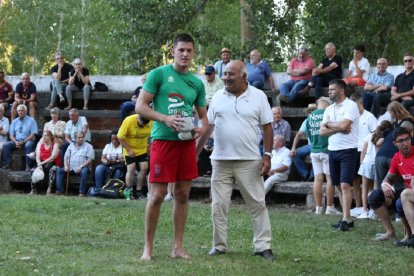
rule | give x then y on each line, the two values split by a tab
268	154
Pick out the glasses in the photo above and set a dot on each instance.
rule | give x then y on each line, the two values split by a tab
408	60
207	74
403	140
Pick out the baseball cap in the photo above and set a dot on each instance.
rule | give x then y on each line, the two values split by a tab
224	50
209	69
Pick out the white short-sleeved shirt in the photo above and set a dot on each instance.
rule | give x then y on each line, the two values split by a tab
371	151
72	128
337	113
4	122
237	121
281	157
363	64
367	124
112	151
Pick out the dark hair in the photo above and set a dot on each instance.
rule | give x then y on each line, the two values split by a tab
359	47
1	72
113	132
338	82
400	131
379	131
355	97
183	38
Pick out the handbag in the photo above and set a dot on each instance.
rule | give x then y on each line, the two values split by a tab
38	174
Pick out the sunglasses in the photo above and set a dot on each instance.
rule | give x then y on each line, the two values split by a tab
408	60
208	74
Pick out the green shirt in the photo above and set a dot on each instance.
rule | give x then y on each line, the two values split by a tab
319	143
174	93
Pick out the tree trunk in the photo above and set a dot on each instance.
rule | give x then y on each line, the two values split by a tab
37	32
246	34
59	34
83	32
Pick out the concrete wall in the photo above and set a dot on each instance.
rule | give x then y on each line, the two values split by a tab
129	83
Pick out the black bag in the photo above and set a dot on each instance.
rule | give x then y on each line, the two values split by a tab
94	192
113	189
100	86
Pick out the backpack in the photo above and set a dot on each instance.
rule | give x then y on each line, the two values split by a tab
100	86
113	189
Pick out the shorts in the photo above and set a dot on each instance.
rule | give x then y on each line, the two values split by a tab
173	161
359	81
320	163
342	166
357	164
367	170
137	159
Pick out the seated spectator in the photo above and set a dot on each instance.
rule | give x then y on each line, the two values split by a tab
48	157
25	94
329	69
4	129
77	161
220	64
23	132
78	81
358	68
298	155
75	124
56	126
280	163
211	83
6	92
300	72
112	162
128	108
377	90
281	126
258	71
133	136
403	88
388	196
60	74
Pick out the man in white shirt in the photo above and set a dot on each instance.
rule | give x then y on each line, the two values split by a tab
211	83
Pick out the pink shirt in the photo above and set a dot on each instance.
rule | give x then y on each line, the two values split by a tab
296	63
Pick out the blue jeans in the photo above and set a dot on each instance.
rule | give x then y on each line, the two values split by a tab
57	88
126	109
258	84
291	88
320	81
60	179
102	171
299	161
10	145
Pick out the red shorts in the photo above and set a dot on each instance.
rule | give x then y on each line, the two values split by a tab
173	161
359	81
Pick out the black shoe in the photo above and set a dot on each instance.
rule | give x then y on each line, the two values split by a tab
311	178
337	225
6	167
214	252
408	242
265	254
344	226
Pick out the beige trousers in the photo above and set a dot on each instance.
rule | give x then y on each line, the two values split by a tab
246	173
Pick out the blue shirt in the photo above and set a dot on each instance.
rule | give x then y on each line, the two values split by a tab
258	72
23	128
381	79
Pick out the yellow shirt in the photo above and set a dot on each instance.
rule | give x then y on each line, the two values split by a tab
135	136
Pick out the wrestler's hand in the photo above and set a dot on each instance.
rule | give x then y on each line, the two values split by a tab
265	165
174	121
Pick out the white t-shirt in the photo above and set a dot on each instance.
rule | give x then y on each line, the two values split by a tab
367	124
237	121
111	152
363	64
337	113
281	157
371	151
4	122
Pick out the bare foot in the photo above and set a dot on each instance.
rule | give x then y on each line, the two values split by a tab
145	258
385	237
180	254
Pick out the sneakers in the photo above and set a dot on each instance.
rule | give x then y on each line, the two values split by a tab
148	196
355	212
343	225
168	197
363	215
31	155
61	98
319	210
128	193
331	210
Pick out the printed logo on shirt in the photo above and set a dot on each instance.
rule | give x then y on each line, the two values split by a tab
176	101
170	79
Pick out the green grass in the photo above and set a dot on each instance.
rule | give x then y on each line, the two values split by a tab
71	236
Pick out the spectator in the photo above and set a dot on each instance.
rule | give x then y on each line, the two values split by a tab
258	71
60	74
22	131
330	68
6	92
281	126
48	157
388	196
78	81
56	126
280	163
128	108
25	94
340	124
320	159
403	88
219	65
300	72
4	129
377	89
358	68
211	83
134	137
77	161
112	162
237	159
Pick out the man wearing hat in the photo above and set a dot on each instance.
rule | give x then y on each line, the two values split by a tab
219	65
258	71
60	74
300	72
211	83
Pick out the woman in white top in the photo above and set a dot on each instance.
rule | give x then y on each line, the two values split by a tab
113	163
56	126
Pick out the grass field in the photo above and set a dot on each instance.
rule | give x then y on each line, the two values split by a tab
70	236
